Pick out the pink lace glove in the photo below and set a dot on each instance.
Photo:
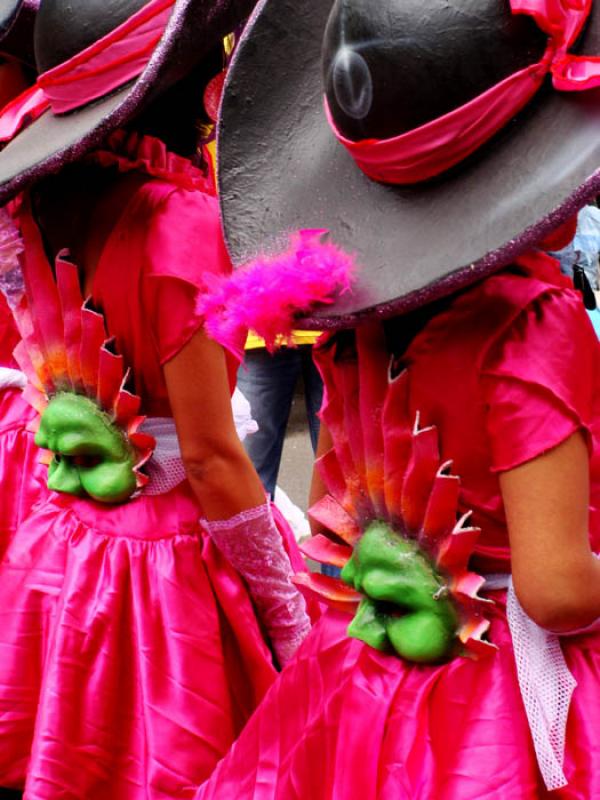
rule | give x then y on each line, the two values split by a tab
252	544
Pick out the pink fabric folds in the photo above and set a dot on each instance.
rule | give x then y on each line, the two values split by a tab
130	653
110	62
22	110
104	66
8	335
20	488
344	721
161	253
129	151
442	143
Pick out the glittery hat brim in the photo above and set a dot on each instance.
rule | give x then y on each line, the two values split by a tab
45	146
281	169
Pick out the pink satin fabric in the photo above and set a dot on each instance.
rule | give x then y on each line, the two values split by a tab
535	375
519	374
110	62
130	651
22	485
22	111
344	721
444	142
8	335
130	152
20	488
104	66
165	244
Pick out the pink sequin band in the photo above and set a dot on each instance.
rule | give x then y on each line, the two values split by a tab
433	148
101	68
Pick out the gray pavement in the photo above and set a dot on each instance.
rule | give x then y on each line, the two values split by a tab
297	460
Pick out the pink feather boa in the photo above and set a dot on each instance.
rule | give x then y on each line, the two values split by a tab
269	293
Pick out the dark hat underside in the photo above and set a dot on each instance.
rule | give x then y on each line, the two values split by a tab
281	169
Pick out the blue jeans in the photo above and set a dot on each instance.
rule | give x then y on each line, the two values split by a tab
268	382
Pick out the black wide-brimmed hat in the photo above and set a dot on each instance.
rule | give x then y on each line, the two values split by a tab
168	37
387	68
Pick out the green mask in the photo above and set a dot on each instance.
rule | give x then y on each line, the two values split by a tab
406	606
91	455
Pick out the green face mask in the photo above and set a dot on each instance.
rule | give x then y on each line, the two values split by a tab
406	606
91	455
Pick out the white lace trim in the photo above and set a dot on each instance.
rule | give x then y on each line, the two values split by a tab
546	688
251	542
165	468
545	682
247	517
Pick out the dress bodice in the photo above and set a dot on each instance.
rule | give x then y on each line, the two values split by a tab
163	245
473	373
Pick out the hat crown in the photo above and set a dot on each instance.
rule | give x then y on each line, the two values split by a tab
64	28
394	65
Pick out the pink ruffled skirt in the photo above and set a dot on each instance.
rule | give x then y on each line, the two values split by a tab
345	722
130	653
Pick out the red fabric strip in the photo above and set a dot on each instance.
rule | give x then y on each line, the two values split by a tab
435	147
21	111
109	63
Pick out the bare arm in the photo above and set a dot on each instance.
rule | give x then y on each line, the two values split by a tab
317	487
225	482
219	471
556	576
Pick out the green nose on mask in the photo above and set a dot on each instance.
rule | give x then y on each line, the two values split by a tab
405	606
91	455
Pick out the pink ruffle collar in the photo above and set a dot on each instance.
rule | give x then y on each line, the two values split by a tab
130	151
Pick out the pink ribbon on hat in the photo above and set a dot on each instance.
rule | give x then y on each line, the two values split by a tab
103	67
433	148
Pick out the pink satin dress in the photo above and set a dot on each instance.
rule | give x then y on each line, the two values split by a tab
8	335
509	370
22	478
130	652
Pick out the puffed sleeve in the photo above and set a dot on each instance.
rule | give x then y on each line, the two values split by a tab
538	379
184	245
